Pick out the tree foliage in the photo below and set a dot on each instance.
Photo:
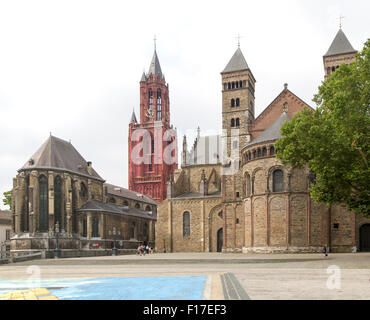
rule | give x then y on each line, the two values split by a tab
7	201
333	140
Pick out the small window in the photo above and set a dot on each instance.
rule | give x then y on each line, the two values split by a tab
272	151
278	181
137	205
336	225
237	122
237	102
186	224
232	103
220	214
237	221
232	123
237	194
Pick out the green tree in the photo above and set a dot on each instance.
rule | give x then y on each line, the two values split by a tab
8	199
333	140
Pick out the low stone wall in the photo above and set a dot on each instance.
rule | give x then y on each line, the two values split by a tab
267	250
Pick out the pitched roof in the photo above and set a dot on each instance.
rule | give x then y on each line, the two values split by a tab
236	63
56	153
272	132
155	67
340	45
125	193
94	205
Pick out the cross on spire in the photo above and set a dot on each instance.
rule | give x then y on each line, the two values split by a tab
340	21
238	37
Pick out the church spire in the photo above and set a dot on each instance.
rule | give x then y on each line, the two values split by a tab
155	67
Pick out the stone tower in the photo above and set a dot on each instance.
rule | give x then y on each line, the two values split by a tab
153	141
238	87
340	51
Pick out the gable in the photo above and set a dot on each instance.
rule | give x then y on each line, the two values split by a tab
293	104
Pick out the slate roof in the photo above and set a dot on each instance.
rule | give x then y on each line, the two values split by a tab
236	63
56	153
340	45
155	67
272	132
94	205
125	193
198	195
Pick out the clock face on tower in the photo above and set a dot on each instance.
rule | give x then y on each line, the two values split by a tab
149	114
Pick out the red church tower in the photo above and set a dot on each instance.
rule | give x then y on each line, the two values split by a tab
152	142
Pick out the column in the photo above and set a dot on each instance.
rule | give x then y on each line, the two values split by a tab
51	201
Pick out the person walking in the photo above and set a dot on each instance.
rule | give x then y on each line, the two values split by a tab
326	250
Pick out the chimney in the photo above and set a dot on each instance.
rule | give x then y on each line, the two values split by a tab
89	168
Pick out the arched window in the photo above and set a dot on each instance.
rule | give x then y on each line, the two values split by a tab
95	227
84	227
112	200
150	114
259	153
58	201
237	85
232	123
237	102
333	69
132	230
125	203
264	152
272	151
278	181
237	122
137	205
233	85
43	204
229	85
159	105
148	208
241	84
220	215
232	103
83	193
186	224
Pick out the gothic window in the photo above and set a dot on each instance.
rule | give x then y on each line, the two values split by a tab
232	103
237	84
241	84
278	181
237	102
186	224
58	200
272	151
132	230
229	85
152	145
150	113
43	204
233	85
159	105
232	123
150	166
84	193
237	122
84	227
95	227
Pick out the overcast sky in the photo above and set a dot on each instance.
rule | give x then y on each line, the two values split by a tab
73	67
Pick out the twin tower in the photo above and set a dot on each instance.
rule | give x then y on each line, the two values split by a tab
153	141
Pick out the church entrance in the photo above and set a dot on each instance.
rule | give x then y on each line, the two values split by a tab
365	238
220	240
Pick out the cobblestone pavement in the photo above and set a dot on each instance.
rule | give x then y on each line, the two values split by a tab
229	276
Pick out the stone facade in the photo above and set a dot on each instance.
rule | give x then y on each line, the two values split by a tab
246	200
58	187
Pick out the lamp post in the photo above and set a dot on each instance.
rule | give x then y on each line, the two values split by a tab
56	251
114	250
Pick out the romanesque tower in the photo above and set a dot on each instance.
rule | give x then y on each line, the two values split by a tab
238	87
340	51
152	142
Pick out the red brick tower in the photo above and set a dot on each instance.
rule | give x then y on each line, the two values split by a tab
152	142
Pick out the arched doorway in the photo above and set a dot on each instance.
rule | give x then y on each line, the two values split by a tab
365	238
220	240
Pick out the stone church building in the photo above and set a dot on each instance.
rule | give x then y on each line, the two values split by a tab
233	195
58	187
